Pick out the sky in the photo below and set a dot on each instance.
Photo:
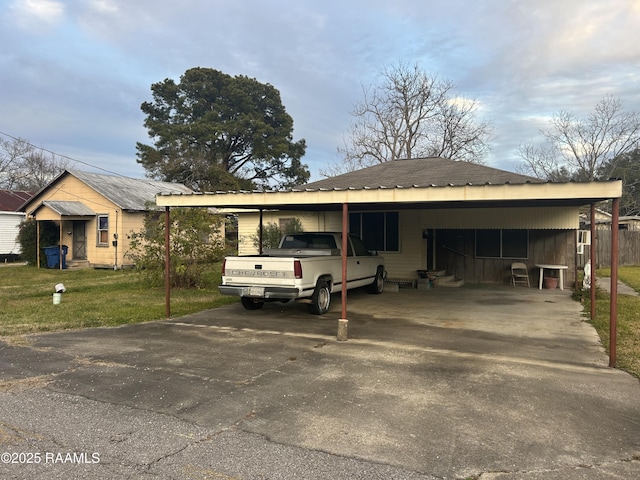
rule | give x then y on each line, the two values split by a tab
73	73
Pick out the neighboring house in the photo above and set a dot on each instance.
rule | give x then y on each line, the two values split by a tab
603	221
471	220
10	219
95	213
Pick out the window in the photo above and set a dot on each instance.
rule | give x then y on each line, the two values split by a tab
103	230
502	243
378	230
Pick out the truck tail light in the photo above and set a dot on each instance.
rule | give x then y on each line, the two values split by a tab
297	269
224	266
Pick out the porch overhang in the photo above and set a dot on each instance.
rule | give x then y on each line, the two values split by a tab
64	209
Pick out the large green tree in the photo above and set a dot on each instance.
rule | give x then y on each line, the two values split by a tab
212	131
627	168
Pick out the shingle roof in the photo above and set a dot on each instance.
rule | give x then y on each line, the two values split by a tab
421	172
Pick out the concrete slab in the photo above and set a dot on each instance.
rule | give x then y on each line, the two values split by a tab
443	383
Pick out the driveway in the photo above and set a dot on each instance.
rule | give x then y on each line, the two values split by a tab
499	383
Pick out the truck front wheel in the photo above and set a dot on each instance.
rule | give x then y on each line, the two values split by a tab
321	299
377	286
252	303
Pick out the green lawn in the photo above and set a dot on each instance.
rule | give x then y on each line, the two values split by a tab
93	298
628	341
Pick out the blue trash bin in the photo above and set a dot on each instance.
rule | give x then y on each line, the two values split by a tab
53	256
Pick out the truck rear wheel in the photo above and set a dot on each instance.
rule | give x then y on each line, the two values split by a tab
321	299
252	303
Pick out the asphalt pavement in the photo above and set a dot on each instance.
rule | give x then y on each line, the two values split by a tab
483	383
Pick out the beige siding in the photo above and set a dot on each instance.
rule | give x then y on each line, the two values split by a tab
122	223
514	218
311	222
413	255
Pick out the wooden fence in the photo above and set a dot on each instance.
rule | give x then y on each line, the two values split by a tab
628	248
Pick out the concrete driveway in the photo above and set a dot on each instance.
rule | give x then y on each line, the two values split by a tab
489	383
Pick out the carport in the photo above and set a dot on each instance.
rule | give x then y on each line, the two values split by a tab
451	197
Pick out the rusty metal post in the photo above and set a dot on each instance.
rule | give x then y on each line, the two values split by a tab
260	233
343	323
613	312
167	263
592	259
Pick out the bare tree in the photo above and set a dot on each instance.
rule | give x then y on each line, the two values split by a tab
26	167
411	115
586	148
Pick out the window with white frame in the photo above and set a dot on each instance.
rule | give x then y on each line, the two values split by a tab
103	230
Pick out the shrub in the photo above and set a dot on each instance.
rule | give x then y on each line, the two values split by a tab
272	233
195	244
27	237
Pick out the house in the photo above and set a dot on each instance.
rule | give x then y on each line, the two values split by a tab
469	220
10	219
94	213
603	221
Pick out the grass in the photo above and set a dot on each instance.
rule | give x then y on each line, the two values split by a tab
628	320
93	298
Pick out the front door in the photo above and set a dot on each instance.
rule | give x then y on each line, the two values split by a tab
79	240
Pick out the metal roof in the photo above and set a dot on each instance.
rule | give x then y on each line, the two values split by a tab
10	200
70	209
128	193
133	194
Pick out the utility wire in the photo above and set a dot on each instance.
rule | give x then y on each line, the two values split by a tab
26	142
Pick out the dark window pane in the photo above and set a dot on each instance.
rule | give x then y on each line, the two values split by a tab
392	233
373	230
354	224
515	243
488	243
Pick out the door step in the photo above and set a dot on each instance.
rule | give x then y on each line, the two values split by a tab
78	264
449	281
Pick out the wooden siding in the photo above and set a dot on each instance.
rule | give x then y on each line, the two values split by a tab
628	248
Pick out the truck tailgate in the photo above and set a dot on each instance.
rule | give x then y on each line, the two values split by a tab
259	271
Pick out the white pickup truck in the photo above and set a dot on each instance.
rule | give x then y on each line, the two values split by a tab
305	267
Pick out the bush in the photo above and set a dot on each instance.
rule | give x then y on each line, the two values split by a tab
195	245
27	237
272	233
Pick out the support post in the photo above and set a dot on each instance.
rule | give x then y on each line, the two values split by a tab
343	323
167	263
613	311
592	259
38	243
60	245
260	233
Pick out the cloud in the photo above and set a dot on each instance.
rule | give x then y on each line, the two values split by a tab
34	15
